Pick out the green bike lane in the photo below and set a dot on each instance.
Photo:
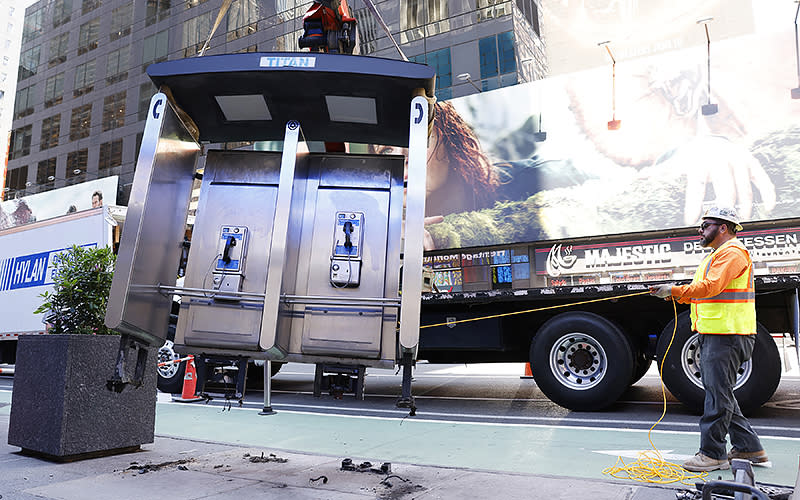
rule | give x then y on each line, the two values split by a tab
562	451
554	450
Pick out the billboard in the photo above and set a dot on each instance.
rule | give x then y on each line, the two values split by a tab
635	28
49	204
491	181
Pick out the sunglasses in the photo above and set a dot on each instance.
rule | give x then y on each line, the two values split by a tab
706	224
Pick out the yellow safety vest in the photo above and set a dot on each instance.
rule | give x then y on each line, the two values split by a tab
733	310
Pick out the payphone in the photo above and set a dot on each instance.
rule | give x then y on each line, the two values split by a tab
231	253
294	256
346	254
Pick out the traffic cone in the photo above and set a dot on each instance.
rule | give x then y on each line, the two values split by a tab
189	384
528	372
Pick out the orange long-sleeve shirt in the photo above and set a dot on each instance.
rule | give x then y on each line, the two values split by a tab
727	265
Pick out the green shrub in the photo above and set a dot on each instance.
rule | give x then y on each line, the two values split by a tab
82	280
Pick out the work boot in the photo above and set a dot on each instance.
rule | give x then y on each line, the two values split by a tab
702	463
755	457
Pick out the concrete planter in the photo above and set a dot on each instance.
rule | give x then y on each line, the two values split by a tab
60	407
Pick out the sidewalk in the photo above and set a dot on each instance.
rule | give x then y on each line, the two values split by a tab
189	469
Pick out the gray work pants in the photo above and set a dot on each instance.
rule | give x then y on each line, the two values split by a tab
720	359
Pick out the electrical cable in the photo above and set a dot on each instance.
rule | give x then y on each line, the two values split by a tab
650	467
209	273
514	313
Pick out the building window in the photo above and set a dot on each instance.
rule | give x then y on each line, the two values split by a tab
84	78
155	49
492	9
195	31
46	173
117	65
58	49
368	30
24	102
121	21
29	63
146	91
420	18
139	138
531	13
89	5
249	48
194	3
21	142
157	10
498	61
242	19
51	129
62	10
440	61
88	36
33	25
81	122
54	90
17	178
76	165
110	155
114	111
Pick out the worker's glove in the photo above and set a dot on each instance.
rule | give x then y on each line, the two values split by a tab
661	291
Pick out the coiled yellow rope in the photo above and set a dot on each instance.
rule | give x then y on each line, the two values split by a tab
650	467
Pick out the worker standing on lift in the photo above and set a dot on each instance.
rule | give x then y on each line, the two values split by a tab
329	27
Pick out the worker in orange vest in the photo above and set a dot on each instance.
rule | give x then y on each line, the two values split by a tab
723	312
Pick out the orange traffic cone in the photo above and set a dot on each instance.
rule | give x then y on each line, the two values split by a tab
528	372
189	384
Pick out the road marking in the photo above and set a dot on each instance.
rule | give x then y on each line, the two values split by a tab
665	454
491	424
448	418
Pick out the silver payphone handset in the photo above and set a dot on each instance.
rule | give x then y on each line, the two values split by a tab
348	237
229	266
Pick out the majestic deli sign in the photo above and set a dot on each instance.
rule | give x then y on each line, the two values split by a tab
777	245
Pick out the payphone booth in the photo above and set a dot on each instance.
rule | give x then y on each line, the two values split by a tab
294	256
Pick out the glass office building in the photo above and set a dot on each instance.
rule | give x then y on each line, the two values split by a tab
82	92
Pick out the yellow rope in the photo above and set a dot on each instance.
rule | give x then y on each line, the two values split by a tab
571	304
651	466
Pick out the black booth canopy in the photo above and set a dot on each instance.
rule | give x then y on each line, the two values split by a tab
334	97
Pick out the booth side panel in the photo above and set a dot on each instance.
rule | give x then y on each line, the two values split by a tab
415	229
150	247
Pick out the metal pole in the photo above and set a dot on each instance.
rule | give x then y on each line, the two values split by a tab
797	43
267	390
708	45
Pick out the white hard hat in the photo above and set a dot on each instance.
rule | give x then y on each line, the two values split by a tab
727	214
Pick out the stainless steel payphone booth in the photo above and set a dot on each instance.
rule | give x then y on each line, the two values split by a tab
294	257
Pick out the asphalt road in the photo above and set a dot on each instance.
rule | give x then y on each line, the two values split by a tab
497	393
478	417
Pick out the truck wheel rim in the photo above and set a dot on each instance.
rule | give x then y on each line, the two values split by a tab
167	353
578	361
690	362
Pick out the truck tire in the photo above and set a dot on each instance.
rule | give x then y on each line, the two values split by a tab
581	361
170	377
755	384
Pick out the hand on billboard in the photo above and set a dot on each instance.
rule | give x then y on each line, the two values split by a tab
427	239
661	291
733	172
